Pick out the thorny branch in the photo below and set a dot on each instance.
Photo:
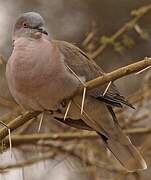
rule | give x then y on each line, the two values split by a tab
132	68
17	122
66	136
121	72
28	162
138	14
53	153
106	78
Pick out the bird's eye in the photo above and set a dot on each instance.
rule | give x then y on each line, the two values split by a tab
25	25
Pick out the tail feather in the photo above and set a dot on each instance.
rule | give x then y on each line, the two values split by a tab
127	154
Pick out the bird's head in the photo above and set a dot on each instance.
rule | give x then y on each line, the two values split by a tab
29	24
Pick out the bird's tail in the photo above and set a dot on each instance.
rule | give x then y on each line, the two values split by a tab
127	154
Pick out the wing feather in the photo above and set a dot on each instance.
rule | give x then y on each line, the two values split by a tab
85	67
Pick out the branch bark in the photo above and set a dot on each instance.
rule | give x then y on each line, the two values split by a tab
17	122
66	136
139	13
116	74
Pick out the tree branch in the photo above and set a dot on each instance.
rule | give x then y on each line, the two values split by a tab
139	13
65	136
28	162
116	74
17	122
132	68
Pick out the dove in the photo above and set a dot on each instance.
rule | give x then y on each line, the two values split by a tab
45	74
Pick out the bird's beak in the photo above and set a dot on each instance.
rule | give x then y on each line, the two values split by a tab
42	30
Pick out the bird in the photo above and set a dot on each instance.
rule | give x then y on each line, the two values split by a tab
44	74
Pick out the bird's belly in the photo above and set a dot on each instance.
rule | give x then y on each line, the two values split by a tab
41	91
39	80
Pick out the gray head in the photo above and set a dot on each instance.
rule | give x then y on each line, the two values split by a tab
28	24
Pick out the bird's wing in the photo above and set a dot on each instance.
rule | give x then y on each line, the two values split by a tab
87	69
96	116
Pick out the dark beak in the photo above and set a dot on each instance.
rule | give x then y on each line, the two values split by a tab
42	30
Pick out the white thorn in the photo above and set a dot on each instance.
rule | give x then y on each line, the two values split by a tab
108	152
75	74
83	99
9	137
138	29
84	113
67	110
10	142
142	70
40	122
107	88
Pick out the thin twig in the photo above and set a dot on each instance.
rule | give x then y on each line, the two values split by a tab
66	136
30	161
139	13
88	38
116	74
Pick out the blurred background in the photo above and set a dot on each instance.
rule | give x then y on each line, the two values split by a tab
91	25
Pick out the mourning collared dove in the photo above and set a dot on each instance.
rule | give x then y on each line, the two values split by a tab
45	74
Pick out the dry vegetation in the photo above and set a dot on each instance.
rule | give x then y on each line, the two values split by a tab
84	145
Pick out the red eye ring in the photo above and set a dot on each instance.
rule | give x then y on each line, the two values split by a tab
25	25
